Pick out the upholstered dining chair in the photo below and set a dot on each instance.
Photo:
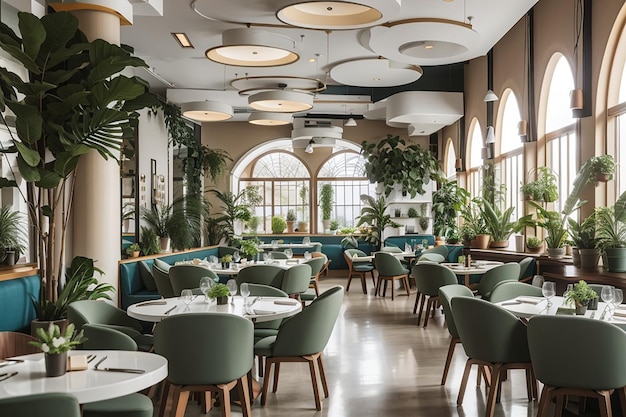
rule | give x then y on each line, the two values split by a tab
568	365
188	277
440	250
319	254
492	337
496	275
214	360
358	268
526	269
100	312
271	275
296	280
53	404
302	338
446	294
276	254
390	269
428	278
266	328
316	264
162	281
99	337
16	344
431	257
508	290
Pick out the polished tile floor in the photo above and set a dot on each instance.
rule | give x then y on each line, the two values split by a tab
379	363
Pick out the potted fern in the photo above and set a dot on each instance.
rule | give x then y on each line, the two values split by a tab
611	233
580	296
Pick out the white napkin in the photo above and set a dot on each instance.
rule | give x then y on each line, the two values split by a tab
529	300
619	312
285	302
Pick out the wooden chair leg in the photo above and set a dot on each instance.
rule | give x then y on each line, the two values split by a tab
316	287
373	278
604	402
468	367
544	401
276	372
407	286
363	282
349	281
421	307
244	395
224	393
417	298
165	392
179	402
393	288
429	306
320	365
266	384
446	367
316	388
493	390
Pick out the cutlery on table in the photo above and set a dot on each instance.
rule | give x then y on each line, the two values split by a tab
127	370
99	362
152	303
593	314
4	377
90	358
170	310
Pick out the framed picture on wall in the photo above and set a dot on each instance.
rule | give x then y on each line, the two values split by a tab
128	187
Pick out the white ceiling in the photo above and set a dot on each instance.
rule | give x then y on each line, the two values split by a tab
193	77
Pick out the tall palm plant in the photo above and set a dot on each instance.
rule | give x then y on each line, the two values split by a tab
374	215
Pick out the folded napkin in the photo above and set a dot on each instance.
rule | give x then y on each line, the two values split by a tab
529	300
619	312
285	302
510	303
77	362
565	311
258	311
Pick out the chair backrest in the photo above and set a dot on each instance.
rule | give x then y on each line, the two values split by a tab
162	281
271	275
188	277
316	264
430	276
308	331
491	278
276	254
391	249
431	257
489	332
388	265
99	312
441	250
16	344
526	268
99	337
53	404
349	254
261	290
226	250
296	279
571	351
446	294
205	348
508	290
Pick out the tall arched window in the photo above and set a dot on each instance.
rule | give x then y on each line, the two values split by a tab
616	103
345	171
561	141
449	166
475	159
510	159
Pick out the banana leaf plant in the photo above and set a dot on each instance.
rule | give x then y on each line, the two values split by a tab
373	214
73	101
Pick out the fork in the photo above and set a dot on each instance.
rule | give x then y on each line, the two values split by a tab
90	358
99	362
4	377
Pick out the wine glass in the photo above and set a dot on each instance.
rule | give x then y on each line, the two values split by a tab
307	256
548	289
306	240
618	297
288	253
265	257
245	292
232	287
537	281
205	284
236	256
187	296
608	295
570	287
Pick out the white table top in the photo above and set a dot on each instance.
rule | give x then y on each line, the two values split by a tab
236	267
289	245
88	385
527	310
369	258
476	269
263	308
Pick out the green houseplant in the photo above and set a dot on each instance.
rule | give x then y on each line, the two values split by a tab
580	296
327	194
602	168
159	217
75	100
373	213
448	201
133	250
278	224
303	224
291	220
583	236
12	235
544	188
533	244
249	248
235	207
391	161
220	292
499	224
611	233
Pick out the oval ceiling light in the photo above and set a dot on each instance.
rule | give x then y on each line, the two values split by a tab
281	101
247	47
263	118
255	84
206	111
375	72
435	41
337	14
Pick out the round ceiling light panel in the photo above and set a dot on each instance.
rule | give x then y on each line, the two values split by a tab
263	118
435	41
206	111
256	84
337	14
247	47
375	72
281	101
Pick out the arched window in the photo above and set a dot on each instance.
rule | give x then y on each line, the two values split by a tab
345	171
475	159
449	166
510	160
561	141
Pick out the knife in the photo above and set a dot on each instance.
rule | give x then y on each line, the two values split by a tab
127	370
170	310
152	303
4	377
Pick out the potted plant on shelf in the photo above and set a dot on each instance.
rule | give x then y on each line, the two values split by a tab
55	345
158	217
291	220
448	201
583	235
327	194
235	208
74	100
580	296
611	234
12	235
474	225
219	292
303	225
556	233
534	244
412	213
132	251
499	224
602	168
544	188
278	224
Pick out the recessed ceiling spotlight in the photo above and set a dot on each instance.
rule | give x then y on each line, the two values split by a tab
312	60
182	39
429	46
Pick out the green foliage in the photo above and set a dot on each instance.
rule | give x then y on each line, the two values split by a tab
448	201
334	225
80	285
215	230
581	294
254	223
234	207
12	231
226	258
373	214
278	224
249	247
52	342
391	161
473	222
533	242
291	215
133	247
185	224
611	224
158	218
149	241
218	290
583	234
327	194
412	212
552	223
603	164
498	223
544	188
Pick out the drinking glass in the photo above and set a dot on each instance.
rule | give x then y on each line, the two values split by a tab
205	284
570	287
537	281
236	256
425	243
187	296
232	287
306	240
245	292
288	253
548	289
608	295
618	297
307	256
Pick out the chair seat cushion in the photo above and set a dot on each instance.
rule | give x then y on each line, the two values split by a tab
264	346
133	405
363	268
308	295
263	333
162	265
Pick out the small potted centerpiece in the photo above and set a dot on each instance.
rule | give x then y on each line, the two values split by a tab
226	260
55	347
291	220
534	244
132	251
581	295
249	248
220	292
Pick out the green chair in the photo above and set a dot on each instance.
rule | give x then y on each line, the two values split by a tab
302	338
391	249
576	356
446	294
526	269
428	278
319	254
431	257
99	337
271	275
494	276
216	359
390	269
100	312
276	254
296	280
508	290
494	338
54	404
266	328
188	277
162	282
358	268
316	264
439	250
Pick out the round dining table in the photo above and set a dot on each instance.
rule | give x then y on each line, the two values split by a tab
526	307
89	385
477	268
258	309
